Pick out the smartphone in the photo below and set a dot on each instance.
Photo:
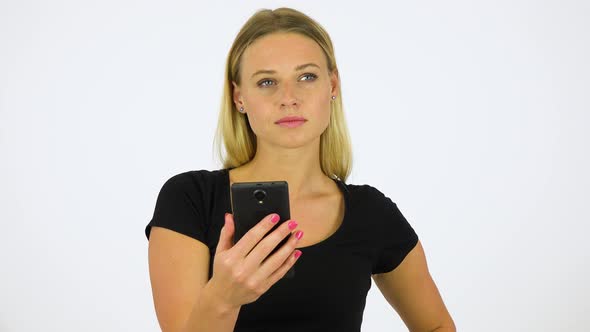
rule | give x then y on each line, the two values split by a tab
252	201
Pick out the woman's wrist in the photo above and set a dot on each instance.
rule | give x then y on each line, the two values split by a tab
210	313
210	297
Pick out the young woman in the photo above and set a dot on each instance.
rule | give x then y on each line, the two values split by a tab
281	119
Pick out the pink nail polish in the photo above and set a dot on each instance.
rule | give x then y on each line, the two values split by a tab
299	235
275	218
297	254
292	224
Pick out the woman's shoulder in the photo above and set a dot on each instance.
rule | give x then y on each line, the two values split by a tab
366	193
374	202
194	182
371	198
185	198
195	176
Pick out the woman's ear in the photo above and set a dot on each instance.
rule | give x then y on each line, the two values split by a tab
334	82
237	95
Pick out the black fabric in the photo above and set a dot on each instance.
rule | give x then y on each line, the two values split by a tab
332	277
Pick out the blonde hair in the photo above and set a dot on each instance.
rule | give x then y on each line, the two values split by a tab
233	127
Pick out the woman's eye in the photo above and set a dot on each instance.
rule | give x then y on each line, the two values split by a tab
311	76
264	83
268	82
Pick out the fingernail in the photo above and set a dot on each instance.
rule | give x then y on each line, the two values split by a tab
292	225
275	218
297	253
226	215
299	235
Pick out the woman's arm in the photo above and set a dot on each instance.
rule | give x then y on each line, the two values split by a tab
179	268
411	292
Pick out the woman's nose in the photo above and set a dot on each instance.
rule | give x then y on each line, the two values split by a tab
289	95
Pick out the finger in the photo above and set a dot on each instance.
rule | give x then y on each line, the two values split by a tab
285	267
277	259
226	235
255	234
269	243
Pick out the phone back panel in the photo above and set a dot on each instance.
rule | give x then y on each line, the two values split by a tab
252	201
249	211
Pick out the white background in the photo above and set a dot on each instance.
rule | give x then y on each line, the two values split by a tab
472	116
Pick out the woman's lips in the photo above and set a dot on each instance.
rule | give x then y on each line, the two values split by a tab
291	124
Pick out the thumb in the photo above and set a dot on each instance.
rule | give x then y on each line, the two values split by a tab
226	237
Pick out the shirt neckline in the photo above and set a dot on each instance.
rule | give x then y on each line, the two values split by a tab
329	239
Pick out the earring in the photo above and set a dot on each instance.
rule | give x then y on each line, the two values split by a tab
333	97
241	110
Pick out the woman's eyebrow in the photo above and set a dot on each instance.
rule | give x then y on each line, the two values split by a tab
300	67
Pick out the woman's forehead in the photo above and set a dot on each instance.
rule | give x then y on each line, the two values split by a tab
282	52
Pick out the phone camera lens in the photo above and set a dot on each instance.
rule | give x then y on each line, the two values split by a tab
259	194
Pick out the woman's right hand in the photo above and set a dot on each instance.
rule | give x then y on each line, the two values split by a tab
242	272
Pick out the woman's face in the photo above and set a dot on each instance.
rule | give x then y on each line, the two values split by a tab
285	74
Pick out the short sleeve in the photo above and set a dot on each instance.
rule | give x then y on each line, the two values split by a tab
178	208
397	237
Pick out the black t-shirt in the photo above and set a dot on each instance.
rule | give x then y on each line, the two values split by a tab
332	277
